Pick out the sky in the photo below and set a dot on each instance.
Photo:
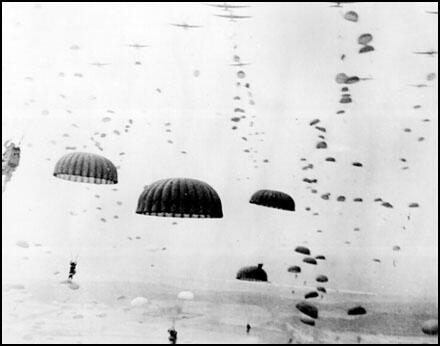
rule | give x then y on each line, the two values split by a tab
54	97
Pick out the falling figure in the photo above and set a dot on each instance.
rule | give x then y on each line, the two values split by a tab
248	328
10	162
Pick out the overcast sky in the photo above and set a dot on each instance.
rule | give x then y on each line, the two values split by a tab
54	97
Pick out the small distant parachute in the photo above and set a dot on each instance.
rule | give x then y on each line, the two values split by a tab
320	257
387	205
341	198
322	278
139	301
341	78
86	168
366	49
314	122
310	260
358	199
430	327
185	295
414	205
241	74
431	76
330	159
307	309
396	248
358	310
321	145
345	100
365	39
377	260
252	273
326	196
294	269
180	197
23	244
312	294
302	250
351	16
273	199
321	289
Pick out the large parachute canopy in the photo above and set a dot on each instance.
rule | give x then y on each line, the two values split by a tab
252	273
86	168
273	199
180	197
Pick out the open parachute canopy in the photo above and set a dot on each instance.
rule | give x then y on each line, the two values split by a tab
180	197
273	199
252	273
86	168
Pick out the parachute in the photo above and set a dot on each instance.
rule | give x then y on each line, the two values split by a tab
358	310
366	49
273	199
312	294
185	295
320	257
321	289
294	269
139	301
86	168
351	16
252	273
310	260
302	250
322	278
180	197
307	309
321	145
430	327
365	39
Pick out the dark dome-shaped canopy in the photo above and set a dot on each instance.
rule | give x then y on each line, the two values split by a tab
252	273
273	199
357	310
86	168
180	197
310	260
322	278
302	250
294	269
307	309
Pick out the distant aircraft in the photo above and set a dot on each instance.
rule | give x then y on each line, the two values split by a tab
429	52
231	16
339	4
240	64
138	46
419	85
99	64
186	26
226	7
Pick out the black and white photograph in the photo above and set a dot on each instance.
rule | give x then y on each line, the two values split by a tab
219	173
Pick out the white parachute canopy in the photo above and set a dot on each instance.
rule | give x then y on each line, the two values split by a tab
139	301
185	295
